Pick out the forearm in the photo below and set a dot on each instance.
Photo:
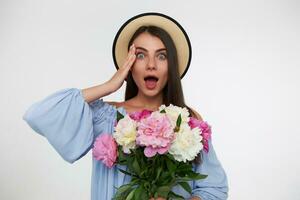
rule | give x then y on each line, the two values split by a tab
93	93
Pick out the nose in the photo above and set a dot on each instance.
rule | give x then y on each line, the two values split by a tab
151	63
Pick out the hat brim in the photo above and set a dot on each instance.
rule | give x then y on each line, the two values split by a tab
175	30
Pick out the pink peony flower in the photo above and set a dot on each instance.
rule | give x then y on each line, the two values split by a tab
138	115
105	149
205	131
156	133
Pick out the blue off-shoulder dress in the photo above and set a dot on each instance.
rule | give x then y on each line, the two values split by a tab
71	125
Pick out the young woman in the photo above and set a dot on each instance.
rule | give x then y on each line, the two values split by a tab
71	118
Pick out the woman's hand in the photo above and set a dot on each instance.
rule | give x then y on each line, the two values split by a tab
118	78
158	198
194	198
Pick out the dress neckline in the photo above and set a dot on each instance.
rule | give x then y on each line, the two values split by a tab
123	110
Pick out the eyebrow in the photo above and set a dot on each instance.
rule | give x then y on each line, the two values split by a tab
162	49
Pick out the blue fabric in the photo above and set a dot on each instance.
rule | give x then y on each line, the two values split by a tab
71	125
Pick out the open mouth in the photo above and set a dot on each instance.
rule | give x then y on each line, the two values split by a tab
151	81
151	78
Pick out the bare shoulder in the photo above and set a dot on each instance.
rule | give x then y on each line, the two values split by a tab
114	103
198	116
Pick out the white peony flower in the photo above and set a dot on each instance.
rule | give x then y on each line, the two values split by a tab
125	133
173	112
187	144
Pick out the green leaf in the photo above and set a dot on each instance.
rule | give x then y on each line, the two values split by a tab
163	191
136	166
141	193
146	185
170	165
135	180
144	196
158	172
123	189
199	176
122	158
153	189
192	174
166	178
163	111
175	196
195	176
187	178
185	166
138	192
186	186
130	164
130	195
119	116
178	122
170	156
144	172
125	172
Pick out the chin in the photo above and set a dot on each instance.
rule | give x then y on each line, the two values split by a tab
151	93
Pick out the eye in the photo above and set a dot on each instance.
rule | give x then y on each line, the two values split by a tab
138	55
162	56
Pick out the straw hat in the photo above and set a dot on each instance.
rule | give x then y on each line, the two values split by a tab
175	30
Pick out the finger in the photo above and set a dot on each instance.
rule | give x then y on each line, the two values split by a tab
132	49
130	61
132	46
130	54
127	59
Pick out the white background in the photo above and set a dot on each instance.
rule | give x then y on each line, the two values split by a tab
243	79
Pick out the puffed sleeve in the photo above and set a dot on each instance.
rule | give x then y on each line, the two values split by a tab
66	120
215	185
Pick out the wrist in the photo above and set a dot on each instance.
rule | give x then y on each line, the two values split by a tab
110	87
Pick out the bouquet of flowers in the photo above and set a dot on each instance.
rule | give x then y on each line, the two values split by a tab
157	148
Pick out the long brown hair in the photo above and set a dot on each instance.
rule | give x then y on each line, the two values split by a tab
172	92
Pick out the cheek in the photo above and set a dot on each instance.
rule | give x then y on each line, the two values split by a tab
165	70
136	75
140	63
165	77
134	71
